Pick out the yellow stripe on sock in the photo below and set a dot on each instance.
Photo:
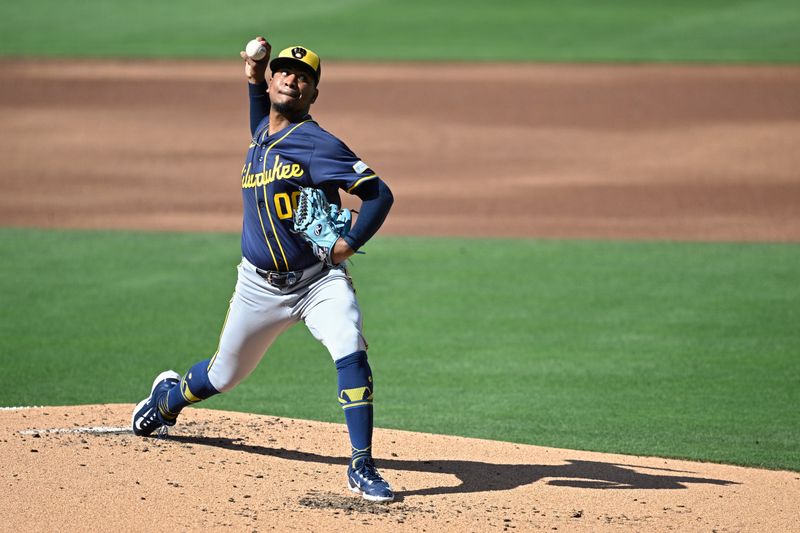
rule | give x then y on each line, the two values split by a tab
187	393
355	404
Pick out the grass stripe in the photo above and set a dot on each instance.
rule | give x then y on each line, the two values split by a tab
467	30
674	349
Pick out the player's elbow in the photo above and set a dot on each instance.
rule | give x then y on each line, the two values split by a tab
385	194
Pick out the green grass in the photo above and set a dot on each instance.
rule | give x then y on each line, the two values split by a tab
463	30
672	349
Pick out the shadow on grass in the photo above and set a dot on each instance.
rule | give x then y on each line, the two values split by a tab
476	476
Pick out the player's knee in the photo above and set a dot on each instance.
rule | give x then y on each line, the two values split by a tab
347	340
355	380
196	385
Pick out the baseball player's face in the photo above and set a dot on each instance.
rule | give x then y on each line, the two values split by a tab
292	89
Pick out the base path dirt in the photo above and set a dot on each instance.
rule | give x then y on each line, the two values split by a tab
665	152
80	469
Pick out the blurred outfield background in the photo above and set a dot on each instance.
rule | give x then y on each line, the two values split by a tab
687	350
466	30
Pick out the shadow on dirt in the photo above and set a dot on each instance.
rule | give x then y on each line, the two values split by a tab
477	476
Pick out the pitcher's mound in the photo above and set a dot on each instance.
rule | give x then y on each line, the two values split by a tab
80	468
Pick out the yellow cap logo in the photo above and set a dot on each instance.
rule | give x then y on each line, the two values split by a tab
298	54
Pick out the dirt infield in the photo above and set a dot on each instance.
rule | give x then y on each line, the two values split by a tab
666	152
254	473
527	150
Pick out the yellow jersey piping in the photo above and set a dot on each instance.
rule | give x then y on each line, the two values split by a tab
266	204
359	182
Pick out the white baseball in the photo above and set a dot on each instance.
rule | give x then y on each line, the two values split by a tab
255	50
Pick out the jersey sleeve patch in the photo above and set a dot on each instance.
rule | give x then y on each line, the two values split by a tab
360	167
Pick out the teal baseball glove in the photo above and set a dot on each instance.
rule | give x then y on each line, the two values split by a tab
320	223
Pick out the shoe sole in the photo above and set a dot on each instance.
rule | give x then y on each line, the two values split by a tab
368	497
167	374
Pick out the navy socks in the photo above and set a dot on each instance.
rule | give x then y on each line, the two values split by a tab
355	397
193	388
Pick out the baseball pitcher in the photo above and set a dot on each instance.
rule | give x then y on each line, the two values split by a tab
295	244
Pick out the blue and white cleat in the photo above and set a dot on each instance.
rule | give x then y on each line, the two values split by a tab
146	415
368	482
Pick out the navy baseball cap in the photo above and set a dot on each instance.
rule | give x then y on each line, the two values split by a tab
298	56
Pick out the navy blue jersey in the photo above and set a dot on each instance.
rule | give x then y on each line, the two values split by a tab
302	154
